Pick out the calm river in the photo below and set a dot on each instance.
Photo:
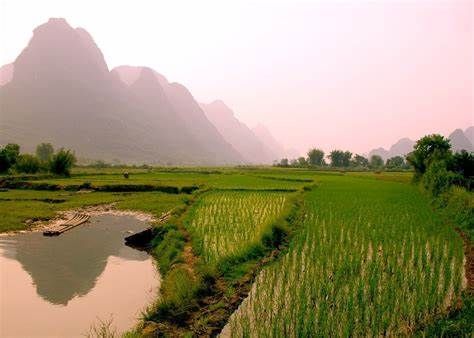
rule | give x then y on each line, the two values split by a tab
60	286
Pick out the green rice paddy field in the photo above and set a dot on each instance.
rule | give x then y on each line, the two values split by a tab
364	254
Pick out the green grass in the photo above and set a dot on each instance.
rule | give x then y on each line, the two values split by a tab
17	206
370	259
458	323
225	179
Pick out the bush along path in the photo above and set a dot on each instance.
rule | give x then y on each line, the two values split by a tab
198	298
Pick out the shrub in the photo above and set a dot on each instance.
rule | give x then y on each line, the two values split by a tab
62	162
437	179
27	164
458	206
8	156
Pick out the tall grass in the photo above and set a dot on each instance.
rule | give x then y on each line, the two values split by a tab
371	259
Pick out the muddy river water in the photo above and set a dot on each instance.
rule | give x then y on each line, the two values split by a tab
60	286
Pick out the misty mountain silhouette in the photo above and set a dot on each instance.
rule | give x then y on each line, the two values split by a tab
62	92
237	133
264	135
469	132
67	266
401	148
459	141
6	73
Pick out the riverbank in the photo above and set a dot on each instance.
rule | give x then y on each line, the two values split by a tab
96	210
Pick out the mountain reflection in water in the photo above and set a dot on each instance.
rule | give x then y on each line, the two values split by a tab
68	265
79	276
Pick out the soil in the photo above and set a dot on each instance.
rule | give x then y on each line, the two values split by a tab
469	264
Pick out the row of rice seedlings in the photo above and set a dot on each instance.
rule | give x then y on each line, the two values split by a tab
371	259
227	222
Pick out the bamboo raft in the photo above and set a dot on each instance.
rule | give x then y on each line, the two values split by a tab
71	223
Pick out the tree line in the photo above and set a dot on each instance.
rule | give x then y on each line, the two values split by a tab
45	159
435	164
344	160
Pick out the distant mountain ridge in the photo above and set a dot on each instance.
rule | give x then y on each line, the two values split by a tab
60	90
6	73
238	134
470	134
459	141
270	142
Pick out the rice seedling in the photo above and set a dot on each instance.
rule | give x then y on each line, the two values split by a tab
227	223
371	258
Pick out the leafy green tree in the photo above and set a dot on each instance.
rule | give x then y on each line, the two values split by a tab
44	152
340	159
8	156
360	161
376	162
294	163
302	162
27	164
462	163
426	150
396	162
62	162
284	162
316	157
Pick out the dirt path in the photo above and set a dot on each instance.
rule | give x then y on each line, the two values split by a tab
469	264
216	309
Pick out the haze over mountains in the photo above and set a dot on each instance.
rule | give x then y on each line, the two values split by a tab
238	134
60	90
460	140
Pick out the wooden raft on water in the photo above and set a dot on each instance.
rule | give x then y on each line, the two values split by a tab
73	222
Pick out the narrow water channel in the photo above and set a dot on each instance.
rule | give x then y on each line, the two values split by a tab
60	286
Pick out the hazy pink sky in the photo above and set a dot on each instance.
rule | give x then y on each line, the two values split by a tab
334	74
